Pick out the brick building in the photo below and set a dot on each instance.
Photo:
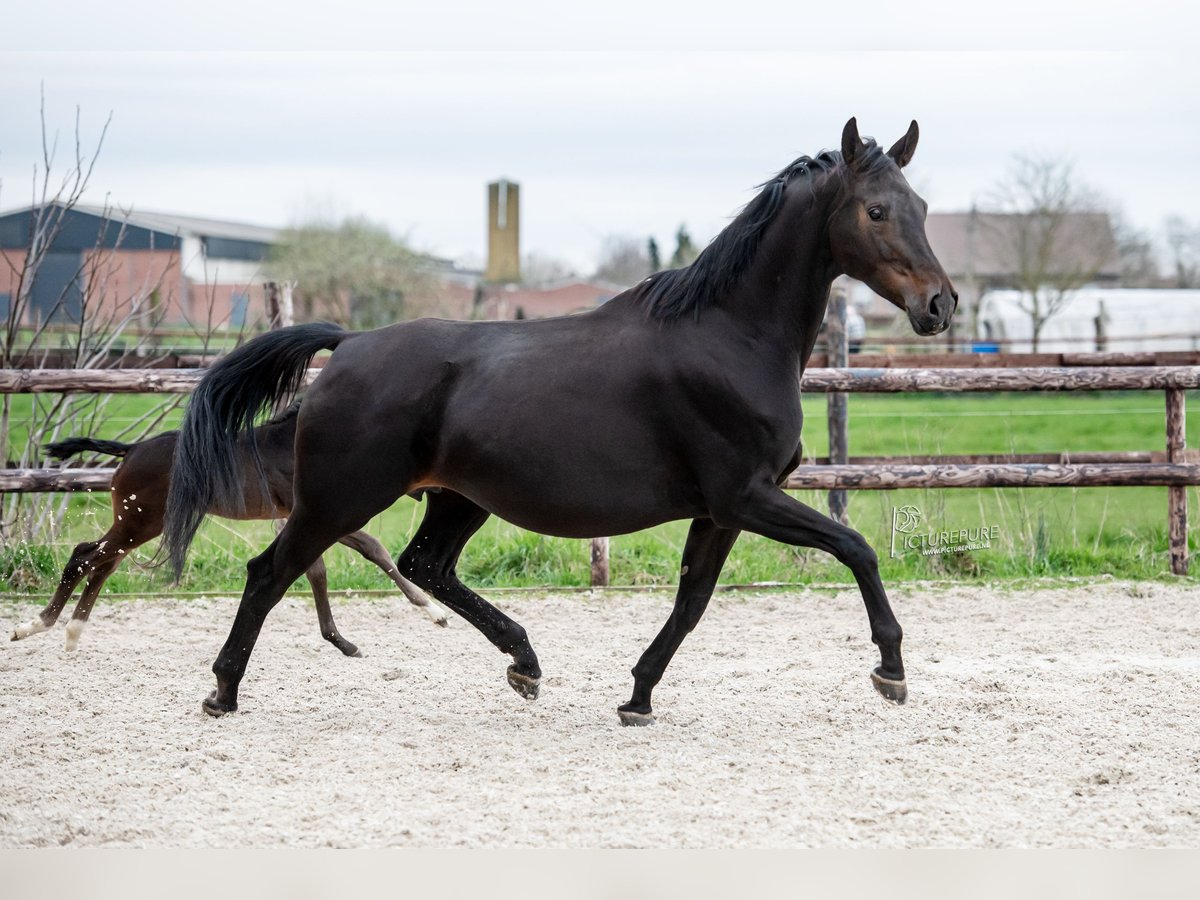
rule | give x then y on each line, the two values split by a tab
197	270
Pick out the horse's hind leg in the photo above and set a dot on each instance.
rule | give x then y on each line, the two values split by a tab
373	551
297	547
73	573
318	580
430	559
87	600
704	555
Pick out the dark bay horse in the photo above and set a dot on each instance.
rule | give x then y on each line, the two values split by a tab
678	399
139	496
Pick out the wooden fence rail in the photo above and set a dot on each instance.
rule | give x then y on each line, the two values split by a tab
854	380
1176	473
876	477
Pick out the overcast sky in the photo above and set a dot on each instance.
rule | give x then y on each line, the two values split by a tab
603	141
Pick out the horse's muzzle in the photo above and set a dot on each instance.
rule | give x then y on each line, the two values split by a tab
933	317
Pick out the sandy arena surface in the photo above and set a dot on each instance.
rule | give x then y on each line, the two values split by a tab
1063	717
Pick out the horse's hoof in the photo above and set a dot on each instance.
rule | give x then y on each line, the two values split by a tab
215	707
30	628
629	717
524	685
443	621
357	654
890	689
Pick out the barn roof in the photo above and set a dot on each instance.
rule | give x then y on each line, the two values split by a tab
169	224
980	243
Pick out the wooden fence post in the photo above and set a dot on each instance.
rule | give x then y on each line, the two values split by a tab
274	315
838	348
600	562
1177	540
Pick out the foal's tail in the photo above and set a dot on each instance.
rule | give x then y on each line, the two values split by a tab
68	448
246	382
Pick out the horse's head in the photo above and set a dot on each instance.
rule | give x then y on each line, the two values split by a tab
877	232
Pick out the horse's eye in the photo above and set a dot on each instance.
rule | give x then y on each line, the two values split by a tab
876	213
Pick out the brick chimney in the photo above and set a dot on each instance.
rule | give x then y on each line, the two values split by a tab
504	232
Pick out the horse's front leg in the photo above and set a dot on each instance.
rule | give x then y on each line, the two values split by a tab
704	555
765	509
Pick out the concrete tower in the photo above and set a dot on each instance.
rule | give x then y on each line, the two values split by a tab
504	232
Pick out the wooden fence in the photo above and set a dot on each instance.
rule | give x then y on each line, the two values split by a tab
1174	469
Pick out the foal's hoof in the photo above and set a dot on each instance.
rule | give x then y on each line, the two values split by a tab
524	685
215	707
30	628
890	689
629	717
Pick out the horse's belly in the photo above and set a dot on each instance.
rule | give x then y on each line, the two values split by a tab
584	490
576	516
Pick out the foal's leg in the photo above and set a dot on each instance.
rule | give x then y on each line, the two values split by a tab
768	511
373	551
76	569
704	554
430	559
95	561
130	532
83	608
318	580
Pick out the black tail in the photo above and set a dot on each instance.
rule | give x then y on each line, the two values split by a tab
251	379
68	448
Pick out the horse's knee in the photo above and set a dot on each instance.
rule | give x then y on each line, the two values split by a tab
318	578
856	553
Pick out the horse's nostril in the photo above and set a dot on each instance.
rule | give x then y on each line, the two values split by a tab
936	305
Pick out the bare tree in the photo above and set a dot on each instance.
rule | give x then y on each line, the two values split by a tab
1183	245
1050	234
354	270
97	319
623	260
1135	251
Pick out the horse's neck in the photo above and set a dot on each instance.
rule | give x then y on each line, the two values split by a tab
787	287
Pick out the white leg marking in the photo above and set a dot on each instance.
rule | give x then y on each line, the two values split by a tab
33	626
437	614
74	629
418	597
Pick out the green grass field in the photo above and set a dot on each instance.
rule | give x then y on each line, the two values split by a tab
1042	532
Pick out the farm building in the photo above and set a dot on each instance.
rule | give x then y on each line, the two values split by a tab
197	270
202	270
1124	320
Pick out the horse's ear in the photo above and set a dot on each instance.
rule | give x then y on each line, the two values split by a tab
902	151
850	141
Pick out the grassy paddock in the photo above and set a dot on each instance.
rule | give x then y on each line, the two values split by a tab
1060	531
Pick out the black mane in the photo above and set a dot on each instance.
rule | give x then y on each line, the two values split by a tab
672	293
